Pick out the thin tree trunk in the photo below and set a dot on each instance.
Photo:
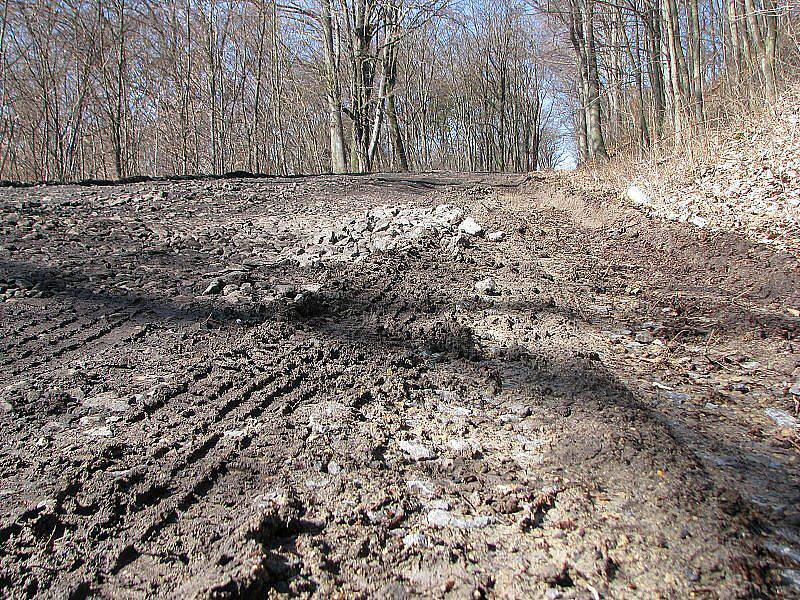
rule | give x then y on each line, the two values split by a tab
333	92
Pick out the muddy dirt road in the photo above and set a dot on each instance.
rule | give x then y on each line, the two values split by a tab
260	388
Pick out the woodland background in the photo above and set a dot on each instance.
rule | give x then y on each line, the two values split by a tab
114	88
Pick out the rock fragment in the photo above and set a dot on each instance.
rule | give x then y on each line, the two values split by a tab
470	227
416	450
444	518
415	539
781	418
486	286
215	287
108	401
99	432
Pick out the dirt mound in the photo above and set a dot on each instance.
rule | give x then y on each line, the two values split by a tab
387	229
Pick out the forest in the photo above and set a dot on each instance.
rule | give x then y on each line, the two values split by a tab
115	88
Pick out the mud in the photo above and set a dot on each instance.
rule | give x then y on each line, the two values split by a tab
185	412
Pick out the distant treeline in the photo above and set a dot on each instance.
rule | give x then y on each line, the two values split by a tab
115	88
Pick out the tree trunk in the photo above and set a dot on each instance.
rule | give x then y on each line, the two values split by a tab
334	92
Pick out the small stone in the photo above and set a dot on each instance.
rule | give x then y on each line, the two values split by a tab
108	401
675	396
417	451
447	214
415	539
382	225
795	389
781	418
99	432
644	337
215	287
464	447
470	227
334	468
443	518
423	488
381	244
496	236
637	196
521	410
486	286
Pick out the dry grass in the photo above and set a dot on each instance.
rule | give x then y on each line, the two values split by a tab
738	172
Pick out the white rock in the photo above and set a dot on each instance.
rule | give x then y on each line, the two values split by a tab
108	401
637	196
496	236
443	518
417	451
486	286
470	227
464	447
447	214
781	418
415	539
418	486
99	432
698	221
675	396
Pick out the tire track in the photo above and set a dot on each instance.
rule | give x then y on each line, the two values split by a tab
234	402
71	344
22	336
205	464
154	502
71	326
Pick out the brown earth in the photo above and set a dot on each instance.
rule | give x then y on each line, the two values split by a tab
595	428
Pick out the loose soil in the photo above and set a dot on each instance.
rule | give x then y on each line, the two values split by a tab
596	428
